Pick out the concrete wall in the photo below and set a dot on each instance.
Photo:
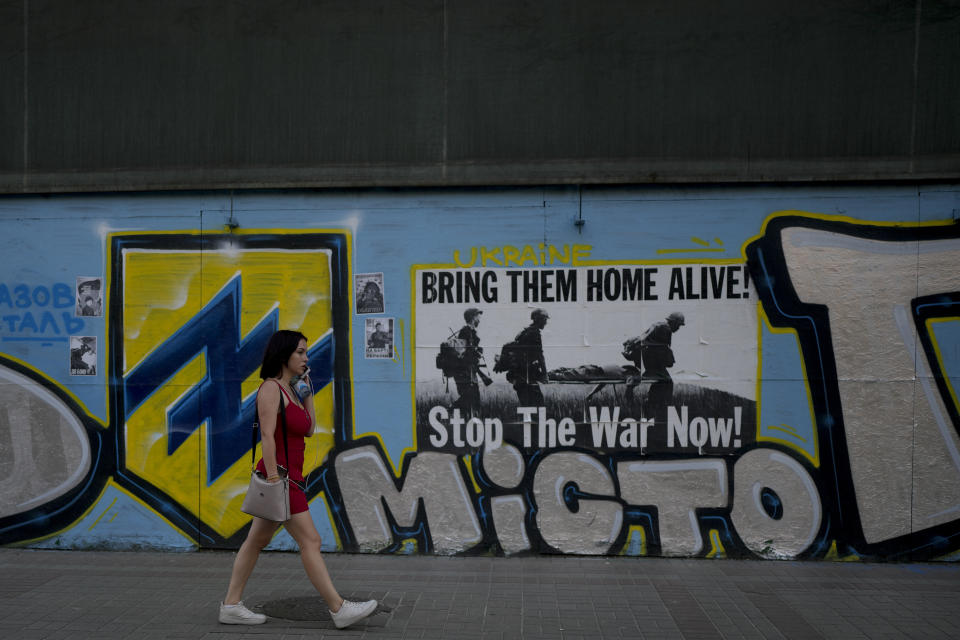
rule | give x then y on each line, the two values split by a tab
810	411
116	96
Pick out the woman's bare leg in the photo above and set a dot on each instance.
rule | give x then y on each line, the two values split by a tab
302	529
259	536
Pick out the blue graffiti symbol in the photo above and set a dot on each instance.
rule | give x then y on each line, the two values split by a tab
216	400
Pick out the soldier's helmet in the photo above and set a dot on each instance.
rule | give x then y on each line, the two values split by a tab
676	319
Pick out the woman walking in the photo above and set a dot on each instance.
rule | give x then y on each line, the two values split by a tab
284	358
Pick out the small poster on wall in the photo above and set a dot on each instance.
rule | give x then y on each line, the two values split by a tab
368	292
379	338
89	296
83	355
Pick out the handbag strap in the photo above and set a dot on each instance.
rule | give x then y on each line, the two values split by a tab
283	432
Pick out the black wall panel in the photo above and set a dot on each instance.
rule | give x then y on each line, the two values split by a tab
118	95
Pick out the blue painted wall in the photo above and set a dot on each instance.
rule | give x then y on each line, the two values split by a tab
821	330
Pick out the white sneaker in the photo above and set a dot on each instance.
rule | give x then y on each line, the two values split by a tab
239	614
351	612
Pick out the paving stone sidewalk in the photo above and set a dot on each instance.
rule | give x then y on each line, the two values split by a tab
153	595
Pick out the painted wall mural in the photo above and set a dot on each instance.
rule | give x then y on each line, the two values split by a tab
713	372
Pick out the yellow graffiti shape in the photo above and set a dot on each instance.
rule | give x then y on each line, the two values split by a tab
636	542
162	292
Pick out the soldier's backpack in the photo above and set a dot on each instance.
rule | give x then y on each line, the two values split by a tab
450	358
510	358
632	347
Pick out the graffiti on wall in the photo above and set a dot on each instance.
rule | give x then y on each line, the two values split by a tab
190	315
188	396
559	400
573	477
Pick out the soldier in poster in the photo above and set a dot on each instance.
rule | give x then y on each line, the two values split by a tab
653	353
89	302
467	373
656	352
531	369
379	341
83	355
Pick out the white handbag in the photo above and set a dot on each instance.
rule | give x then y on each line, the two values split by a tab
268	500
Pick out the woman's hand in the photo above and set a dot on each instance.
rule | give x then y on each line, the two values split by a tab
308	391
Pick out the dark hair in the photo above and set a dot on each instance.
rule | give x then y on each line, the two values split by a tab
281	346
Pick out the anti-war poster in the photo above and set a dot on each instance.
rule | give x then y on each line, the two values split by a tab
652	357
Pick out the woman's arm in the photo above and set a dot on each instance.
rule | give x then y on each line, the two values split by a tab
268	405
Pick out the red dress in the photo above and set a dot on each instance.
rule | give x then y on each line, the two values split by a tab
298	427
